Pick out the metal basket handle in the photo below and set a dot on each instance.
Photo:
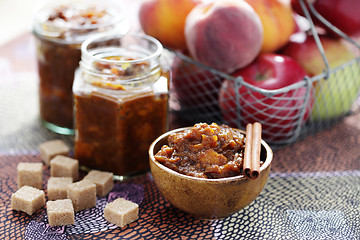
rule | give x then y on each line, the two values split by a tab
323	20
316	37
329	25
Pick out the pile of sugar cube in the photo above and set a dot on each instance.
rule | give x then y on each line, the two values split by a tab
66	194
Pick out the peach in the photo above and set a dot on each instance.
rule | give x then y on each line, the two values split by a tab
278	22
224	35
165	20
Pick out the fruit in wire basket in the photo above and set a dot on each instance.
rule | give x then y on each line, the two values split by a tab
224	35
280	111
343	14
334	96
278	22
165	20
194	86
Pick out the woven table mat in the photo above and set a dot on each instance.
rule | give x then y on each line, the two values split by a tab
291	206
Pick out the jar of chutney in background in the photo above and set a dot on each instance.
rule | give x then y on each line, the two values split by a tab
121	102
59	31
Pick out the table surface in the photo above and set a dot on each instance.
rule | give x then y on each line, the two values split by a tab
313	191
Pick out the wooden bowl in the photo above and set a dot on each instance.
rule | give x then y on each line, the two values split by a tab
207	198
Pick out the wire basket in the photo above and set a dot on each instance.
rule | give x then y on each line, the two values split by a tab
287	114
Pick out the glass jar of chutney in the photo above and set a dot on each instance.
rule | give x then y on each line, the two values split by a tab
121	102
59	31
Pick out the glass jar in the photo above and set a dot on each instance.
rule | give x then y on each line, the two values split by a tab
121	102
59	31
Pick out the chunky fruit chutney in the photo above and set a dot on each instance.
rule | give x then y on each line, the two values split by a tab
59	33
57	64
204	151
121	104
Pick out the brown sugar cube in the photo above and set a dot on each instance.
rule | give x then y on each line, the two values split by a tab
57	187
121	212
82	194
50	149
29	174
60	212
103	180
62	166
28	199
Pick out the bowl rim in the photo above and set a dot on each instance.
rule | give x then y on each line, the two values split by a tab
266	164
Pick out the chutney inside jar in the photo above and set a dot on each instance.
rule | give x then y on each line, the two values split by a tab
121	103
205	151
59	32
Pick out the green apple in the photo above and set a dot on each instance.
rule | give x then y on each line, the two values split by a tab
335	95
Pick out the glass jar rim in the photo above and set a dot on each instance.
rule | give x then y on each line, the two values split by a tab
105	36
41	28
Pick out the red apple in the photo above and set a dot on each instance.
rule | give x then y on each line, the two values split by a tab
334	96
343	14
254	101
225	35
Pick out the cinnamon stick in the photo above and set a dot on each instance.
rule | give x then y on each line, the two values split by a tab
251	165
255	151
248	151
